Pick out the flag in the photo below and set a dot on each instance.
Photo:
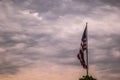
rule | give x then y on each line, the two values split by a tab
83	49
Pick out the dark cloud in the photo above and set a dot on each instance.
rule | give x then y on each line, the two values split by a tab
52	10
12	38
11	64
115	3
107	46
8	68
19	51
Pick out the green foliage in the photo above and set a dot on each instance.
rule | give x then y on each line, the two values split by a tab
87	78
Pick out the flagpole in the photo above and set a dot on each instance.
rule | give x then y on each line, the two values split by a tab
87	50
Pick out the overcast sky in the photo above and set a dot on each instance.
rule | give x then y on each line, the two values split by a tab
39	39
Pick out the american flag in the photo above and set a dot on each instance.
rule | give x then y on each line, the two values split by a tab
83	48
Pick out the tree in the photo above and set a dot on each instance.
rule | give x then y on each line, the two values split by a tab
87	78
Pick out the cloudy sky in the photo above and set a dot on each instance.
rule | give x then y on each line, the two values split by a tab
39	39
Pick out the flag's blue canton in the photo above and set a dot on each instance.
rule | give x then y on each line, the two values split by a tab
84	36
84	40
